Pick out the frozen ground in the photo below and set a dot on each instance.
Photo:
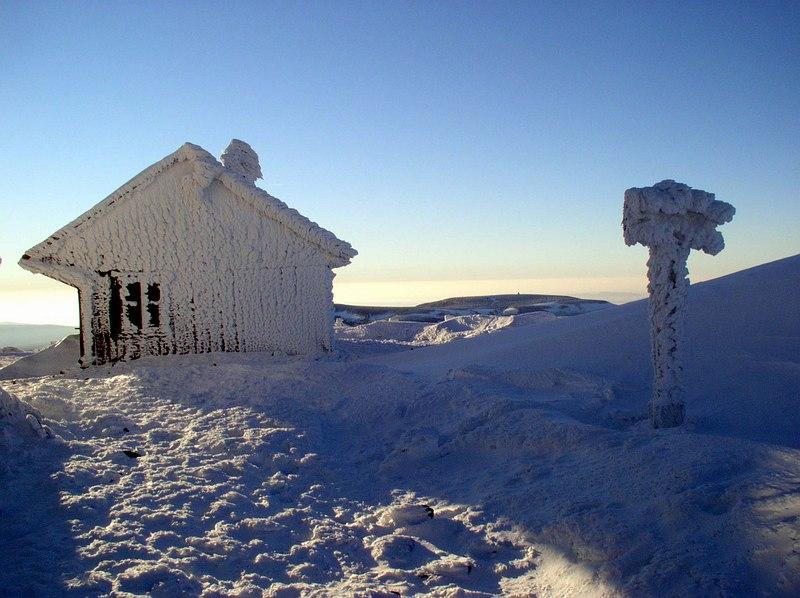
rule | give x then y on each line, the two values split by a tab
514	463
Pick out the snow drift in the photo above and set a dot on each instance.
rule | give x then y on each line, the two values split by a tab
420	334
18	422
60	357
742	373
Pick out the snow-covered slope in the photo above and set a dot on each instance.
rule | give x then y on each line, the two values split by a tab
30	337
742	364
513	463
59	357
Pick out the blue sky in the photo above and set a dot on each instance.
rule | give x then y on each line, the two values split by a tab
460	147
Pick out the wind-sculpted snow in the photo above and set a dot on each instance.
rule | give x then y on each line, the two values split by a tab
452	328
19	422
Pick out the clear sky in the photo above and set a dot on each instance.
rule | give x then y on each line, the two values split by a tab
462	148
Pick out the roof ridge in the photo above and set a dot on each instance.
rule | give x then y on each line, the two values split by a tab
273	207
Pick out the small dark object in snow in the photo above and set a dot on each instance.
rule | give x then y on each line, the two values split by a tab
125	430
428	510
132	454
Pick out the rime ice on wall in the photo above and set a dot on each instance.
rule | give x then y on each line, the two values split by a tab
190	257
671	219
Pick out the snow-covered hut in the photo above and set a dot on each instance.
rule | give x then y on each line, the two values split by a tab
190	256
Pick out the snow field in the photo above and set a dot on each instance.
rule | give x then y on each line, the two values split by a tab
224	500
247	475
422	334
318	478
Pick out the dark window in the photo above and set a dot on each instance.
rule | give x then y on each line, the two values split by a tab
115	308
153	292
133	304
153	297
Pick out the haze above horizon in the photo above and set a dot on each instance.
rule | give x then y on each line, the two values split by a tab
468	149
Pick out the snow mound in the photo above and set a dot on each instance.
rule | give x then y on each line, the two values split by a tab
461	327
381	331
420	334
19	422
61	357
571	309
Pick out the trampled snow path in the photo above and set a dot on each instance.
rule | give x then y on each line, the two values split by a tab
224	498
319	478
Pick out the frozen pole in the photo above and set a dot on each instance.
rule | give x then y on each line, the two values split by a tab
671	219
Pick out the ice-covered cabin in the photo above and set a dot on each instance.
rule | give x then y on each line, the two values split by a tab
189	257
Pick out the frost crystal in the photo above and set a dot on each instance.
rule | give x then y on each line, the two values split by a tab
240	158
671	219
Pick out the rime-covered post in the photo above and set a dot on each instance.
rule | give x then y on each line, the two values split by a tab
671	219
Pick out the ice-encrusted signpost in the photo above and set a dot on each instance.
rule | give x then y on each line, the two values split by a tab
671	219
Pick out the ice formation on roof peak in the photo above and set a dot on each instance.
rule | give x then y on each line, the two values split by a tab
240	158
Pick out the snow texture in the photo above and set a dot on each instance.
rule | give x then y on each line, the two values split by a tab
58	358
671	219
19	422
513	463
63	356
239	157
191	257
421	334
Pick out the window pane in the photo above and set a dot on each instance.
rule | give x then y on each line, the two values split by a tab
133	307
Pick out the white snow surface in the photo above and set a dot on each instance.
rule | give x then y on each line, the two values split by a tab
242	159
515	463
62	356
423	334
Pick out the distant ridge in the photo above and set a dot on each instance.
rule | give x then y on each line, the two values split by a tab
502	301
436	311
30	337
